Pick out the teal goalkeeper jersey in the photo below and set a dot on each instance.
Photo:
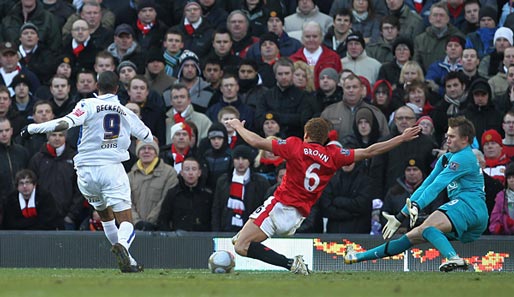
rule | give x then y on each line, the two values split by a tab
460	173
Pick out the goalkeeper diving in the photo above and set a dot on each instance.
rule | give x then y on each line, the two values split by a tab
463	218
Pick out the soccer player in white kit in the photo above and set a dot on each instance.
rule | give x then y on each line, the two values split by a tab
106	129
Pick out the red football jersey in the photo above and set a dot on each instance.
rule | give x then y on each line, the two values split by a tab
309	168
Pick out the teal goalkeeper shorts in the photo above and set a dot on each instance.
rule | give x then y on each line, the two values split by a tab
468	222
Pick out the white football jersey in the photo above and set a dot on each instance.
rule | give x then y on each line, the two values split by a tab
105	132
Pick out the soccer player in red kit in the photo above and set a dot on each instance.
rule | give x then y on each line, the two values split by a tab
310	166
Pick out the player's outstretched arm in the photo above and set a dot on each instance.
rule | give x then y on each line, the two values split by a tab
385	146
250	137
56	125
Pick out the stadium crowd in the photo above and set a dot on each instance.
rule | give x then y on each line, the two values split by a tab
371	68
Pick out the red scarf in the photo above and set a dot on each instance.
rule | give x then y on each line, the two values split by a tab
78	49
29	212
235	200
233	140
145	29
455	12
178	157
178	118
189	29
275	162
51	150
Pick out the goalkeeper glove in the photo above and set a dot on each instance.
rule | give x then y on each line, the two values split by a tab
413	209
393	223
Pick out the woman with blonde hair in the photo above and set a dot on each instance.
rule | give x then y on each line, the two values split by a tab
303	77
411	71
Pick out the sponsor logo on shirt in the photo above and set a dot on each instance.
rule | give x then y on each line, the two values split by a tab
78	112
281	141
453	166
345	152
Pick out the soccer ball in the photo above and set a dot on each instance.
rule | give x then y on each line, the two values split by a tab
221	262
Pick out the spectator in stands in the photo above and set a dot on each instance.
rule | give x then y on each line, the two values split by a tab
430	45
307	11
181	146
480	110
508	129
126	48
346	201
230	88
150	179
357	60
149	31
257	13
471	16
411	24
107	17
286	100
10	67
213	73
492	63
7	110
23	101
34	12
501	221
30	207
498	82
482	38
33	55
222	50
382	47
416	97
196	31
214	13
403	51
410	72
329	92
495	159
182	110
190	73
188	205
238	25
152	112
365	20
228	113
412	177
387	167
438	70
250	89
275	24
270	53
342	114
174	45
79	48
303	78
126	70
60	9
380	7
53	164
41	112
238	193
266	163
335	39
157	78
382	98
13	157
104	61
217	157
316	55
61	102
470	62
101	36
365	131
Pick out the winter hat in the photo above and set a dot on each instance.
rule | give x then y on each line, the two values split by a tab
364	113
404	41
217	130
491	135
331	73
29	25
188	55
480	85
272	116
155	54
428	118
126	63
269	36
356	36
146	3
153	144
192	3
488	11
415	161
243	151
505	33
181	126
277	14
18	79
458	39
124	28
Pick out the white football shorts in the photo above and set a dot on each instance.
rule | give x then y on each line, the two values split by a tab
104	186
275	218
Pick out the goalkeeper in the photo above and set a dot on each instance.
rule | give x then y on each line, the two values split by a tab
463	218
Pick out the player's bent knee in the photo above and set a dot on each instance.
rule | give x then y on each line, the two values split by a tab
241	248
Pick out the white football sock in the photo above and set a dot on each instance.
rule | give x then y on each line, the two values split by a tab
111	231
126	236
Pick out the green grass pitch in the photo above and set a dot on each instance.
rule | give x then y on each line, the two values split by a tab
170	282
